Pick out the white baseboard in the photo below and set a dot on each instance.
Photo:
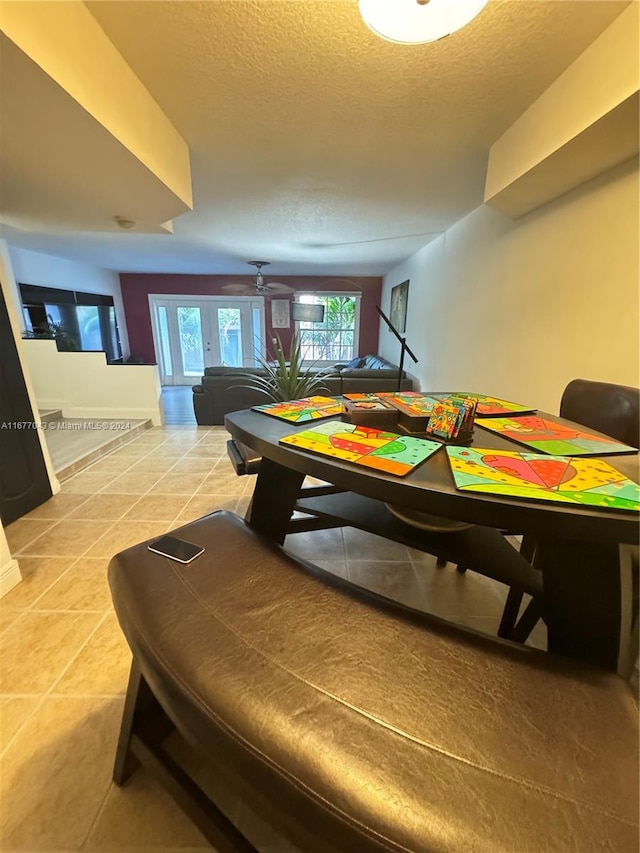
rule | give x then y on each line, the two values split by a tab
9	576
106	413
112	414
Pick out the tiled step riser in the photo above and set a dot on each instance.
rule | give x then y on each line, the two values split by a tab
50	415
104	450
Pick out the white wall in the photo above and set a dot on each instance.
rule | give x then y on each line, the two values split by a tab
518	309
50	271
9	570
83	385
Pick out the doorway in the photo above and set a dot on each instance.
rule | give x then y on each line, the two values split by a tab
191	333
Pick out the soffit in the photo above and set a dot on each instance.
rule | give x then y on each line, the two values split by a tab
318	145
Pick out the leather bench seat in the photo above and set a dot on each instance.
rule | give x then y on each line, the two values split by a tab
352	723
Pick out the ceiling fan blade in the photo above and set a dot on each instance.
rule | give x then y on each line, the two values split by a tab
241	289
279	287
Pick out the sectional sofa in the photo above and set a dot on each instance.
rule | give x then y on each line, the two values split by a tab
223	389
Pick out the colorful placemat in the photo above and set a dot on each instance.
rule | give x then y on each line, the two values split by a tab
494	406
559	479
418	404
547	436
414	404
372	448
303	410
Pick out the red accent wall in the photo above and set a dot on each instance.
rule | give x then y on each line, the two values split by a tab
136	288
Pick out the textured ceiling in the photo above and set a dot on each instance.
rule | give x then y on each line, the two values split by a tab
317	145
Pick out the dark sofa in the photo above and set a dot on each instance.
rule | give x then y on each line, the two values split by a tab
223	389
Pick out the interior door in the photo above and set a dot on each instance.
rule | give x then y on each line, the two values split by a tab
24	482
192	333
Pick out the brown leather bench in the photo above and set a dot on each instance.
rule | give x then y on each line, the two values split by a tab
352	723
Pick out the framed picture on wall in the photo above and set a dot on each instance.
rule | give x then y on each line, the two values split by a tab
399	299
280	318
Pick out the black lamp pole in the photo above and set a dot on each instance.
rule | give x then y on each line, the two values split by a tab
403	344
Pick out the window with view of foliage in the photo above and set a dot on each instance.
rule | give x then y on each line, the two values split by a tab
336	338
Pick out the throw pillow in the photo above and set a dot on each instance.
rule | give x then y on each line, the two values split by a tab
355	362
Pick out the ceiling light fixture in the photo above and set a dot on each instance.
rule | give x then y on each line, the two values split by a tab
418	21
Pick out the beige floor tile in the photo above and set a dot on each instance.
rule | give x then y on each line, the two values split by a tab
125	534
132	483
224	466
83	587
56	774
179	484
143	815
166	452
57	507
110	465
149	465
38	646
38	573
157	507
102	667
68	538
8	615
204	504
398	581
364	546
318	545
183	440
451	594
150	439
336	567
223	484
104	507
14	713
243	505
214	442
132	451
211	453
87	483
483	624
22	533
193	466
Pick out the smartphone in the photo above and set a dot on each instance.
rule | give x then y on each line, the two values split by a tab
176	549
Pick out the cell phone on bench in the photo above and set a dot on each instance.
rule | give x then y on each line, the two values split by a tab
176	549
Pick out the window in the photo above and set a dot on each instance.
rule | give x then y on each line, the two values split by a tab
336	338
75	319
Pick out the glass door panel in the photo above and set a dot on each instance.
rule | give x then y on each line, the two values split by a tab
230	336
190	337
191	334
166	365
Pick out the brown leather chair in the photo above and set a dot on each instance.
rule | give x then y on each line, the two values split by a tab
607	408
351	723
611	409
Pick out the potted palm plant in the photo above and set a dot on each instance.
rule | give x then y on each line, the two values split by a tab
287	379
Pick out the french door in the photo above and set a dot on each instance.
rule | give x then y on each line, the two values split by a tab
191	333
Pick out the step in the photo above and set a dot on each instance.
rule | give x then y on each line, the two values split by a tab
46	416
74	443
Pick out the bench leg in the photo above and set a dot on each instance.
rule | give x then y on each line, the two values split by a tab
144	726
141	713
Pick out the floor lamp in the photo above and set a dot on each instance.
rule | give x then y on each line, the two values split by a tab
403	344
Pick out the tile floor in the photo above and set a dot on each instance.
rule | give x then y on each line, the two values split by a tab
64	664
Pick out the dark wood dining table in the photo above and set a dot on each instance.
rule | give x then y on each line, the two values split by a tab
583	552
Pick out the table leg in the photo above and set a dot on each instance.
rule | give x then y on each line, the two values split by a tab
586	603
274	495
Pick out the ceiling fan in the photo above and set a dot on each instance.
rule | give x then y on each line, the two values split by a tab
259	286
